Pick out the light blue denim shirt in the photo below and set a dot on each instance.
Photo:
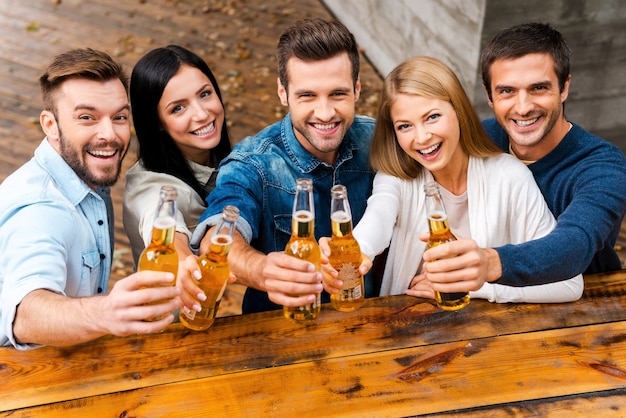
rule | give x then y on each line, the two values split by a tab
54	234
259	177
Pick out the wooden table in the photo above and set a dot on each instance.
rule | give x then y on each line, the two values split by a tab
396	356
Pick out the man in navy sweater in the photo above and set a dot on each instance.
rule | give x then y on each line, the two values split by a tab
526	73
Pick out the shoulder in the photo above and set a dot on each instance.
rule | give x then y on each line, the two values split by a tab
496	133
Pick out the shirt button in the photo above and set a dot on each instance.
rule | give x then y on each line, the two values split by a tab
102	256
100	222
99	290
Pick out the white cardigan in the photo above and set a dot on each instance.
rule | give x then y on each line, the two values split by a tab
504	205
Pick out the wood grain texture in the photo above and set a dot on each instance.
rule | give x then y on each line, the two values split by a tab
396	355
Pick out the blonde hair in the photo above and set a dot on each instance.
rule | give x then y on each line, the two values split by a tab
430	78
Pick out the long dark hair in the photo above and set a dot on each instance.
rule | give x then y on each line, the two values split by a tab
157	150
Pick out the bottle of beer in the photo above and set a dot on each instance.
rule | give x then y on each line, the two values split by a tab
345	253
439	234
215	272
160	254
302	245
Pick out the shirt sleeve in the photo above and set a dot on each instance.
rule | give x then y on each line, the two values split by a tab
34	256
594	211
375	229
239	183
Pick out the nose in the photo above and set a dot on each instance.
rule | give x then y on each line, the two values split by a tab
106	129
199	112
422	136
524	103
324	110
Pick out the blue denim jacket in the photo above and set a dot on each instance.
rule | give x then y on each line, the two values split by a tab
259	177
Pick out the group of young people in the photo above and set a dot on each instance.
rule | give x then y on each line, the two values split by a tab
527	192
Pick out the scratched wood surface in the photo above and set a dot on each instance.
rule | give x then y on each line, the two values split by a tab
396	356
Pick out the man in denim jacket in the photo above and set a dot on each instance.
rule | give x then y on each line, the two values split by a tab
320	138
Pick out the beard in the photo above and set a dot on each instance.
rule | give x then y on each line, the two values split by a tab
109	175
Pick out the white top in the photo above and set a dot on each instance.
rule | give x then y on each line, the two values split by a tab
141	197
504	205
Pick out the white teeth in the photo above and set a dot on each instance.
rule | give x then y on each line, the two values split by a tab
98	153
430	149
523	123
324	127
204	131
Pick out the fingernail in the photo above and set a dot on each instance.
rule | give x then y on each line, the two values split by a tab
197	307
197	275
185	309
319	287
201	296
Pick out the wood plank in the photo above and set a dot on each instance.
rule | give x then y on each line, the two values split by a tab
407	381
266	340
596	404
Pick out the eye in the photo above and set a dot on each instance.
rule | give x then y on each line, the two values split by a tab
85	117
433	116
206	93
121	118
177	109
402	127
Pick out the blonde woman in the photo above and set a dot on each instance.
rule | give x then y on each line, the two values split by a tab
428	130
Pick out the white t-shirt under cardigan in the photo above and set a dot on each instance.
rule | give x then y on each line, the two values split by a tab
504	205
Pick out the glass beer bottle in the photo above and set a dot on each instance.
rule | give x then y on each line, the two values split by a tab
215	272
302	245
439	234
160	254
345	253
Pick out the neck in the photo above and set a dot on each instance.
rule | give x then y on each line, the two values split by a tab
454	177
545	145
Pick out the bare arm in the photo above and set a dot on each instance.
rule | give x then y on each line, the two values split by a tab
45	317
287	280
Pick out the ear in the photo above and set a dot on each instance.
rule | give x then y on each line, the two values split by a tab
357	89
49	125
282	92
565	91
489	102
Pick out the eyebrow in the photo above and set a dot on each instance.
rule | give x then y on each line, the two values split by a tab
202	88
94	109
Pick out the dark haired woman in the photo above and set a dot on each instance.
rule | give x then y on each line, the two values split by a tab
180	124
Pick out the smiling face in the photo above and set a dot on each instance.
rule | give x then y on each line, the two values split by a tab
428	131
321	98
528	104
191	113
90	128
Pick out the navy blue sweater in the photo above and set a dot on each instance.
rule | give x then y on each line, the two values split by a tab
584	183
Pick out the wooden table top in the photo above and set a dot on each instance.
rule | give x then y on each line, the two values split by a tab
396	356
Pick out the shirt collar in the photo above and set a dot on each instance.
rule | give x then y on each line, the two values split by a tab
302	158
66	179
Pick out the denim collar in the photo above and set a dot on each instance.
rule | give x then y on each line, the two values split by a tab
302	158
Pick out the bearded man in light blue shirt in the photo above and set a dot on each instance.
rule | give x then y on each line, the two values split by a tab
55	228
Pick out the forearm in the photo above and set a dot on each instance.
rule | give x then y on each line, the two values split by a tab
45	317
181	243
247	263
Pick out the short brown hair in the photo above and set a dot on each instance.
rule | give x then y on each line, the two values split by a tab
79	63
527	38
426	77
316	40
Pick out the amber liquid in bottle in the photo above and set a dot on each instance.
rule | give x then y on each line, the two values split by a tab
439	234
302	245
345	254
160	254
215	272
